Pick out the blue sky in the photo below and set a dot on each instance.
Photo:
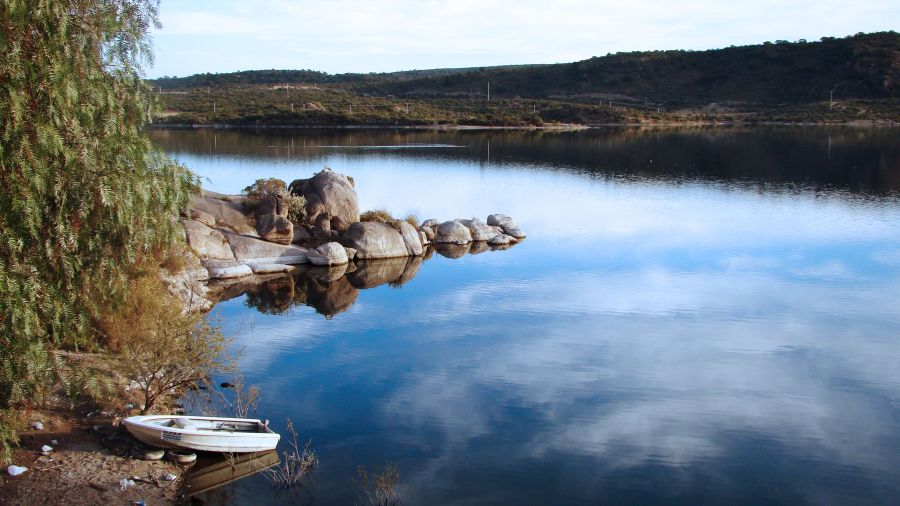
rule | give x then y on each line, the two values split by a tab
368	36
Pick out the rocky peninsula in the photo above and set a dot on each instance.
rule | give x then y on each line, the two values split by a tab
243	238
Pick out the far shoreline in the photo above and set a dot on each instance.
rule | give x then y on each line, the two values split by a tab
549	128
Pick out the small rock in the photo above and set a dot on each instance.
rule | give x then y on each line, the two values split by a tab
46	449
169	477
16	470
124	483
54	442
37	426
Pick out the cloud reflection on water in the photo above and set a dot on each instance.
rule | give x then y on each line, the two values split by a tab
653	340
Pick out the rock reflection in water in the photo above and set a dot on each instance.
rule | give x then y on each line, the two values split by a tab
333	290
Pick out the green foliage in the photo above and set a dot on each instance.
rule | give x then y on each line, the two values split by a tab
296	204
165	349
84	195
617	88
266	187
11	422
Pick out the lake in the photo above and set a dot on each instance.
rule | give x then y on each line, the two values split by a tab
696	316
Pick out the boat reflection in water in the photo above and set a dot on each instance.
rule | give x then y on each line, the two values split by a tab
332	290
214	471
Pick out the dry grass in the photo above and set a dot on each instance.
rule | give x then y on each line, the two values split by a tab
297	463
378	215
412	219
380	489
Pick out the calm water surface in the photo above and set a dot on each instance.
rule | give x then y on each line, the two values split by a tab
696	317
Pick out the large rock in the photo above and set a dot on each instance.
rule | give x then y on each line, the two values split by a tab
267	268
273	227
331	193
188	284
480	230
507	224
330	253
249	249
429	233
411	239
271	204
502	240
206	242
300	234
452	232
226	269
227	214
375	240
203	217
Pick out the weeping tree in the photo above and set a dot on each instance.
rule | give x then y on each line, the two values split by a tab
84	195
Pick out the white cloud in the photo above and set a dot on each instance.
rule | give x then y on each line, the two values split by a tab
363	36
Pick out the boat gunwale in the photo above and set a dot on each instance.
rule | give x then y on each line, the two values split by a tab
143	421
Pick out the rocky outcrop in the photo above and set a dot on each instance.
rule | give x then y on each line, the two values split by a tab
452	232
206	242
275	228
271	220
266	268
189	284
480	230
252	250
502	240
237	250
328	254
227	214
507	224
330	193
375	240
226	269
411	239
203	217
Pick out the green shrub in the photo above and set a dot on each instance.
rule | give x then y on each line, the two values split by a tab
84	194
296	204
266	187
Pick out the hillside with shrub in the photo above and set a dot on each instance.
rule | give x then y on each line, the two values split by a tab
833	80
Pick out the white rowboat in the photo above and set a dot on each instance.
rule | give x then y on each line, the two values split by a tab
203	433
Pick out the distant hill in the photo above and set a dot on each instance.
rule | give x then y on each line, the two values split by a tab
257	77
783	82
860	66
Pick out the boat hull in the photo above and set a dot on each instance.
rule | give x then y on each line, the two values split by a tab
149	430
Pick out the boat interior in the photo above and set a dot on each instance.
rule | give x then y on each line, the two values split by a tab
211	425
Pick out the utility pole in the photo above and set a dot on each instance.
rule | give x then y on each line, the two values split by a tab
489	91
533	108
831	100
292	110
351	108
214	106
